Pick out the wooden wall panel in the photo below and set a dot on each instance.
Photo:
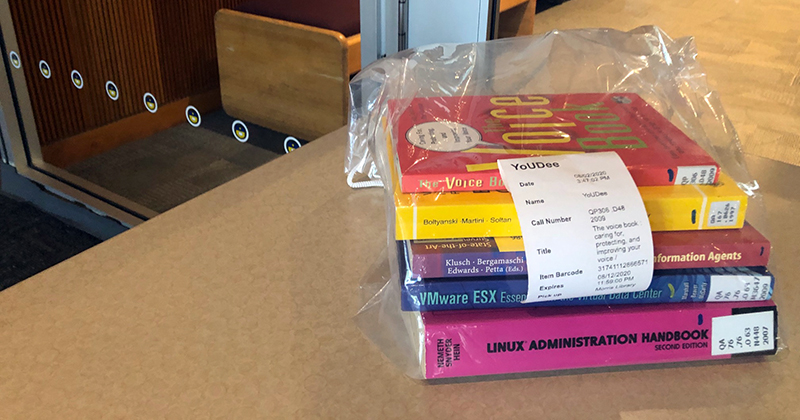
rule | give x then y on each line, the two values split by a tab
165	47
37	45
188	26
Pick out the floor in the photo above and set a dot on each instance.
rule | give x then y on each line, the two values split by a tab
33	241
159	172
749	49
176	165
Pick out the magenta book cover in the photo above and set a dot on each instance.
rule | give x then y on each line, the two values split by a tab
487	342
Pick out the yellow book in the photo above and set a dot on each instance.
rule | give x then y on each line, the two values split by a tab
492	213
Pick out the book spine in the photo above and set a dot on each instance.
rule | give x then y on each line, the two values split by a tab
742	254
499	263
666	213
490	180
468	264
675	175
667	287
521	341
475	181
467	221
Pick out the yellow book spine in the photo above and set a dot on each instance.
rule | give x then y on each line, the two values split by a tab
441	222
668	208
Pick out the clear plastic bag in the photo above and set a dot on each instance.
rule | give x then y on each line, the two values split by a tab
440	80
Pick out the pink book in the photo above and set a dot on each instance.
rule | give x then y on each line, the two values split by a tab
487	342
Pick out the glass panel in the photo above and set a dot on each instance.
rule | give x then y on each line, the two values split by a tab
126	95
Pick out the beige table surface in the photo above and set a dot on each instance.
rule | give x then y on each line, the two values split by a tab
238	304
749	48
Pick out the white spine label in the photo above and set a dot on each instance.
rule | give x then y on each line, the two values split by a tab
695	175
584	226
739	288
723	213
743	333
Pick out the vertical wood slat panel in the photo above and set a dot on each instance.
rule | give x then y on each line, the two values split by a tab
46	85
63	68
165	47
120	107
88	60
30	67
77	53
188	26
121	65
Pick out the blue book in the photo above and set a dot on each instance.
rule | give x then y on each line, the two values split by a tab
719	284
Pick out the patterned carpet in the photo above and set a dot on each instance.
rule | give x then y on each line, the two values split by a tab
176	165
32	241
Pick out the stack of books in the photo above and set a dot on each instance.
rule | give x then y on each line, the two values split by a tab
463	263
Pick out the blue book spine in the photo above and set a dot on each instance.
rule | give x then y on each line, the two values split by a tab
668	286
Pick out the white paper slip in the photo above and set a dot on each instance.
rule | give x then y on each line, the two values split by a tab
584	226
743	333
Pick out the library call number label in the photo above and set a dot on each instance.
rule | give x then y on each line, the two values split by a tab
584	225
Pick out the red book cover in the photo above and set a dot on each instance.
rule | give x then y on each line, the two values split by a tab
712	248
453	143
482	257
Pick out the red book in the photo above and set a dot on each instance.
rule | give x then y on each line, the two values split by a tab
482	257
453	143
